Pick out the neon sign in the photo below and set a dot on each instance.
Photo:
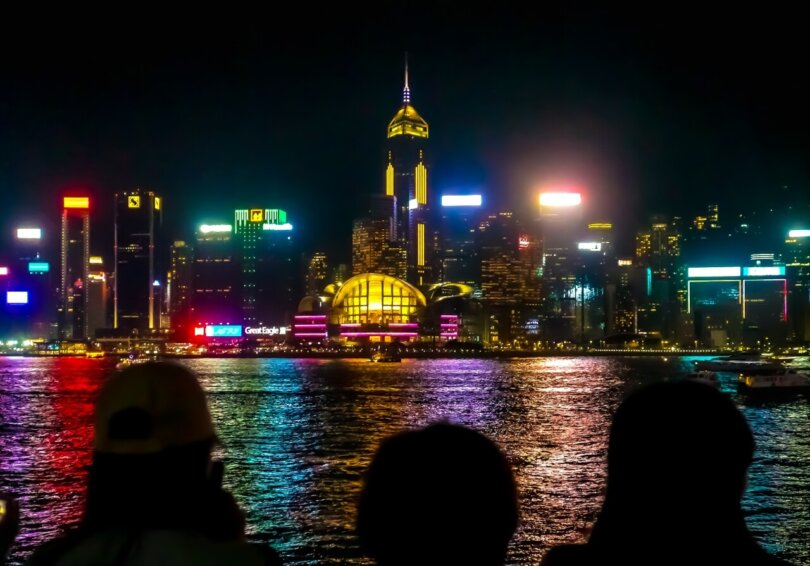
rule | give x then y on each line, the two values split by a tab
557	200
461	200
39	267
266	330
714	272
764	271
76	202
17	297
223	331
29	233
207	228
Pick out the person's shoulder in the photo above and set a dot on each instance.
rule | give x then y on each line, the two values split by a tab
51	552
197	549
567	554
151	547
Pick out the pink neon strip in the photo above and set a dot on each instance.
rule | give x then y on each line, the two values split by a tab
361	334
403	325
449	316
350	324
308	316
321	325
311	334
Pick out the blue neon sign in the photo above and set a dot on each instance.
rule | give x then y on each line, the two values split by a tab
223	331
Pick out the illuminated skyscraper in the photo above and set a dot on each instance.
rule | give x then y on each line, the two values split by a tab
270	288
217	274
373	251
797	259
375	248
339	274
73	280
32	270
181	287
624	281
658	251
317	273
137	285
561	212
279	275
461	215
510	282
98	295
407	178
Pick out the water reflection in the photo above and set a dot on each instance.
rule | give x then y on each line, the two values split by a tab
297	434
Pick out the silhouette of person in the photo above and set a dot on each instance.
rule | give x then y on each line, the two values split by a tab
154	495
677	461
441	495
9	524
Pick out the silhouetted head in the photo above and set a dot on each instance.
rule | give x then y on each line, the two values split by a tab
152	444
444	494
677	460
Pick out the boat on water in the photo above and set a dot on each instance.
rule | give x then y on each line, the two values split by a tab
783	380
134	359
749	363
705	376
385	357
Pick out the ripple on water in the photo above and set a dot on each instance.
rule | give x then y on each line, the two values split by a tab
297	435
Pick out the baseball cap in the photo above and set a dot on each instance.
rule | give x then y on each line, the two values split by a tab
147	408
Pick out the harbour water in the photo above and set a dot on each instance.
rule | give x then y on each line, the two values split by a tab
297	434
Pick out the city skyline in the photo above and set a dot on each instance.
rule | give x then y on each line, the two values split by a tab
638	121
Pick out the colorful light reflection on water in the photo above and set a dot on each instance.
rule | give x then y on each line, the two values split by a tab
297	435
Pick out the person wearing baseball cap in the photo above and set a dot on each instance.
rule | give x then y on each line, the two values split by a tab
154	495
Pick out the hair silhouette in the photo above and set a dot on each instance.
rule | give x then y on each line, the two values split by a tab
677	462
444	495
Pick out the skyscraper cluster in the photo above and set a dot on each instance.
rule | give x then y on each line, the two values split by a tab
426	265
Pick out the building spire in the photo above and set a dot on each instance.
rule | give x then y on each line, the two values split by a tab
406	92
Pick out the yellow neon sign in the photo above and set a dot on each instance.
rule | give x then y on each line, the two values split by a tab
133	201
420	244
421	184
256	215
389	180
76	202
157	203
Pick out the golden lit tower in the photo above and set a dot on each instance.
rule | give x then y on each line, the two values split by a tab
406	178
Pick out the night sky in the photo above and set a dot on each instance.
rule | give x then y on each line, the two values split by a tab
647	112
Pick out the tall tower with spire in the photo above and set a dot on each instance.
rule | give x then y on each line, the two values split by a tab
407	179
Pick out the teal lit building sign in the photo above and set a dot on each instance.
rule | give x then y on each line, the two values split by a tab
223	331
39	267
768	271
